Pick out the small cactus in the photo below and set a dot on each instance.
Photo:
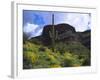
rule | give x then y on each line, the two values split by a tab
53	34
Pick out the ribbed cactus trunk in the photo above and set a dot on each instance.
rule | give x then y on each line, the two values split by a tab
53	34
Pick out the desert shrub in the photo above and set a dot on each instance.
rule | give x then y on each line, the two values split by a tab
29	54
35	41
29	59
37	56
46	60
75	47
32	57
77	51
28	46
61	47
70	60
66	55
82	52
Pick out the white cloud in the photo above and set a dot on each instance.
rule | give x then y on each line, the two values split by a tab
29	27
36	33
31	30
78	21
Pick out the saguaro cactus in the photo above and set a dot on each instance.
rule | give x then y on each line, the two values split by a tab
53	34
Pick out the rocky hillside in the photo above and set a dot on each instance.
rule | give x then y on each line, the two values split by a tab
58	46
65	33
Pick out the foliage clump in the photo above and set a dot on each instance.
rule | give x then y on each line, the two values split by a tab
66	55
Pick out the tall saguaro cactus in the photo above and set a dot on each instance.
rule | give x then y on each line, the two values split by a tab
53	34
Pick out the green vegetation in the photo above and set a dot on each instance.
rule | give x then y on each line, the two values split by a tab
50	50
65	55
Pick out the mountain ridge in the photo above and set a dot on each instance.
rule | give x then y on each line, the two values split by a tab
66	34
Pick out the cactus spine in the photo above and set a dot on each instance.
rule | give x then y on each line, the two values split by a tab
53	34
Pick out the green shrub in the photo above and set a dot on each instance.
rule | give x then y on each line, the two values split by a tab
75	47
66	55
29	59
71	60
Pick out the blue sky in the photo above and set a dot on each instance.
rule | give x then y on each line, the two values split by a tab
34	21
